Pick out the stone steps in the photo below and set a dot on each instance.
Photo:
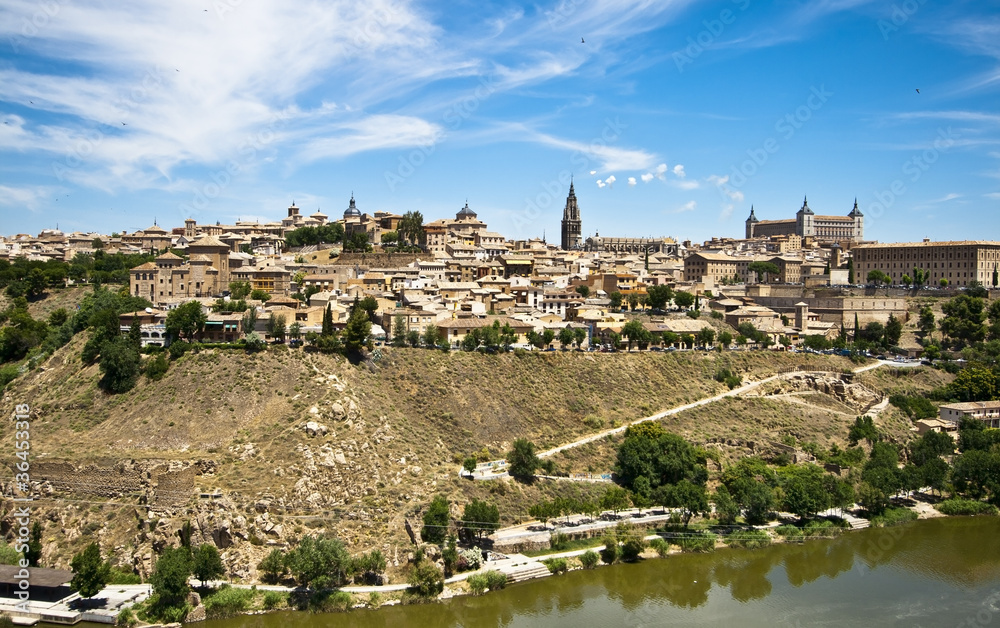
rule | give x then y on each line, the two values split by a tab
520	573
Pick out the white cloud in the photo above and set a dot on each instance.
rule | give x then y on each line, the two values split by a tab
372	133
600	183
946	198
722	184
610	180
993	195
631	181
24	197
660	171
646	178
679	171
610	157
690	206
685	185
593	172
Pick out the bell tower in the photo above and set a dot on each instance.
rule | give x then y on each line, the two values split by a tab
571	224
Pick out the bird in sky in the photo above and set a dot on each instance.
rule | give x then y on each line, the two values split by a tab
582	41
918	90
123	124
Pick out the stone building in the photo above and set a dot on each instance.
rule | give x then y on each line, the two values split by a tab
807	224
205	273
958	262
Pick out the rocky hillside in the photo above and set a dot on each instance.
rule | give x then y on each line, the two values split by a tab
258	450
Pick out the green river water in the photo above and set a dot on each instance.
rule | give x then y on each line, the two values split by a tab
938	572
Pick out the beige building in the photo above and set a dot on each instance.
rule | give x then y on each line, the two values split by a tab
205	273
806	224
958	262
986	411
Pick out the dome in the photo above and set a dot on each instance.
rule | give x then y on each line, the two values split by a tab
352	210
465	212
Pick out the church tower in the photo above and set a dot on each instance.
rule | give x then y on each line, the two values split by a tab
571	225
751	224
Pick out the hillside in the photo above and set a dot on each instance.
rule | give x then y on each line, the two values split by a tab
231	427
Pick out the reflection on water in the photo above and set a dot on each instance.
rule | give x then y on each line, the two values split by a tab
924	573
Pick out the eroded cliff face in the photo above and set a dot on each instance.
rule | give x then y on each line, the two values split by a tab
841	387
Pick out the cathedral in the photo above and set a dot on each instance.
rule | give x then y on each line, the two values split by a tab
571	224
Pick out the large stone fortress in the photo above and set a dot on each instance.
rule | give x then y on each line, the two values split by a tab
807	224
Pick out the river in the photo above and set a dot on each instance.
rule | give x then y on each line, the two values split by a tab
937	572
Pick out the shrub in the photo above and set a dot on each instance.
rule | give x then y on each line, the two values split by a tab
495	580
893	517
661	546
788	531
228	602
966	507
701	542
477	583
589	559
821	528
748	539
426	580
330	601
275	599
556	565
472	557
117	576
611	551
157	367
559	541
126	618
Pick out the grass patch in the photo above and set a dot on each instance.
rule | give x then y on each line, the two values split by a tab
748	539
228	601
955	507
698	542
566	546
893	517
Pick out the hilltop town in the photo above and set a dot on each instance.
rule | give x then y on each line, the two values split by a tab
791	279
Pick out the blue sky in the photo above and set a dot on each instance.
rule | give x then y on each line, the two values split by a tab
673	117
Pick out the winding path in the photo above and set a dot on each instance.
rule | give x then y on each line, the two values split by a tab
672	411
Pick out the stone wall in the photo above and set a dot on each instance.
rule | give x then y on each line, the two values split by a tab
381	260
161	482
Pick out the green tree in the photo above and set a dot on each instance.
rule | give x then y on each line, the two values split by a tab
411	227
725	339
432	336
390	237
926	322
327	326
964	320
522	460
90	571
186	321
659	296
207	564
804	490
726	508
358	332
664	458
893	331
260	295
369	305
479	519
635	332
706	336
763	269
583	291
276	327
566	337
863	429
249	320
691	498
295	331
239	290
399	331
320	563
436	520
616	300
548	336
170	576
579	335
615	498
683	299
943	282
413	338
273	566
120	366
426	580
